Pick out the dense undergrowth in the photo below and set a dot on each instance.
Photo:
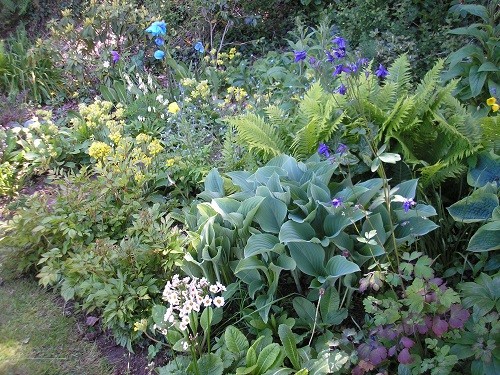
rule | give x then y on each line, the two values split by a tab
325	204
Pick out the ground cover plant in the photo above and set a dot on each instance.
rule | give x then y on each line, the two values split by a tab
309	208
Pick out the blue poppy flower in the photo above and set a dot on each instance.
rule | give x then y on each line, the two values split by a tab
157	28
159	54
159	41
199	47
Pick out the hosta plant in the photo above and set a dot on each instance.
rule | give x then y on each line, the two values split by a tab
290	219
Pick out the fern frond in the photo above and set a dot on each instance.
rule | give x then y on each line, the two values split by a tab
399	75
437	173
306	141
427	86
258	135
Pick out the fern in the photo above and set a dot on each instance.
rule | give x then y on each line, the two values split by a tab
258	135
438	172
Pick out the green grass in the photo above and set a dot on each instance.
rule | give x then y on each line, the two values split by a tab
35	336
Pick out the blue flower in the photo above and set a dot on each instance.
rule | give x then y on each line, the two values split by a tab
342	148
199	47
340	42
339	69
159	41
300	55
337	202
408	203
342	89
159	54
324	150
157	28
115	56
381	72
339	53
329	57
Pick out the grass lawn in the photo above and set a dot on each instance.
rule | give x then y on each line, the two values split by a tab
36	338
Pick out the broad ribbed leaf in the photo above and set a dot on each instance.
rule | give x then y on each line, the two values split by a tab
476	80
236	341
214	183
486	238
292	231
260	243
267	358
305	309
487	170
477	207
309	257
339	266
210	364
414	226
271	214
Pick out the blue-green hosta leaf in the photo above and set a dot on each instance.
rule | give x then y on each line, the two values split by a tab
271	214
319	193
422	210
351	193
263	174
249	208
487	170
210	364
339	266
274	184
478	206
236	342
294	169
334	224
486	238
239	178
285	262
214	183
406	189
309	257
292	231
251	263
260	243
413	227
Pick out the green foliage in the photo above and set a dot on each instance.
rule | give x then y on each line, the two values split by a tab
297	134
12	10
482	205
29	67
281	219
383	30
476	64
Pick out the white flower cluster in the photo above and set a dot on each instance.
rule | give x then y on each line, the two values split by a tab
190	294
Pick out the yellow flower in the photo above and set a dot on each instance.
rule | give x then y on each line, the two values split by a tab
155	147
495	107
141	325
143	138
170	162
99	150
491	101
173	108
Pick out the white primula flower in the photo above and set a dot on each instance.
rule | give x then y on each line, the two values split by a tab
213	288
105	64
219	301
207	301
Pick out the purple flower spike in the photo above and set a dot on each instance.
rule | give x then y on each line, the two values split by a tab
299	55
115	56
408	203
324	150
336	202
381	72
